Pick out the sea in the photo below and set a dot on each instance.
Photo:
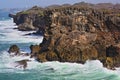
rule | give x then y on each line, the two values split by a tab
91	70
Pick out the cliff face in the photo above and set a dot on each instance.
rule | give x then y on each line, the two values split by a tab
76	34
27	20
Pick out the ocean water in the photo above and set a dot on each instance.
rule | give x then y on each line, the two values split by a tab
91	70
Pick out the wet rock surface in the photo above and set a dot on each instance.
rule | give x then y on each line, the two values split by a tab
14	49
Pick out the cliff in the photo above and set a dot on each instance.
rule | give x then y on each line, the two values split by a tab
75	33
27	20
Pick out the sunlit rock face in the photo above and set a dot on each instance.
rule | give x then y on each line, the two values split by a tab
76	33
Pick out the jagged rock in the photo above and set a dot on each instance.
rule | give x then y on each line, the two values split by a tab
26	27
14	49
75	33
79	36
11	15
113	56
34	50
27	20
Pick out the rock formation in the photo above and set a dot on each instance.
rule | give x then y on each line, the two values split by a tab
27	20
21	64
75	34
14	50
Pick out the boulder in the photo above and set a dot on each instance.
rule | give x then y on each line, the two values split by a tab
14	49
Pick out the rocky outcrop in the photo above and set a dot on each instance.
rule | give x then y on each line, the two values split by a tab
76	34
27	20
14	50
34	50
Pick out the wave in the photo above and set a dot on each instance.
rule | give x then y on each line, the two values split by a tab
92	70
8	34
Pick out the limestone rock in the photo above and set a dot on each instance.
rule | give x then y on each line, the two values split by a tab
75	33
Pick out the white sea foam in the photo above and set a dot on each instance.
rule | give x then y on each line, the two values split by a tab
14	36
91	69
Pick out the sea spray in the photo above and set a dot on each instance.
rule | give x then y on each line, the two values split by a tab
14	36
10	36
93	70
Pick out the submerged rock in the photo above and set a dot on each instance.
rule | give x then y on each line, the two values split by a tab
21	64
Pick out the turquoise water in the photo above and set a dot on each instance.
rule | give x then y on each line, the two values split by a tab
91	70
